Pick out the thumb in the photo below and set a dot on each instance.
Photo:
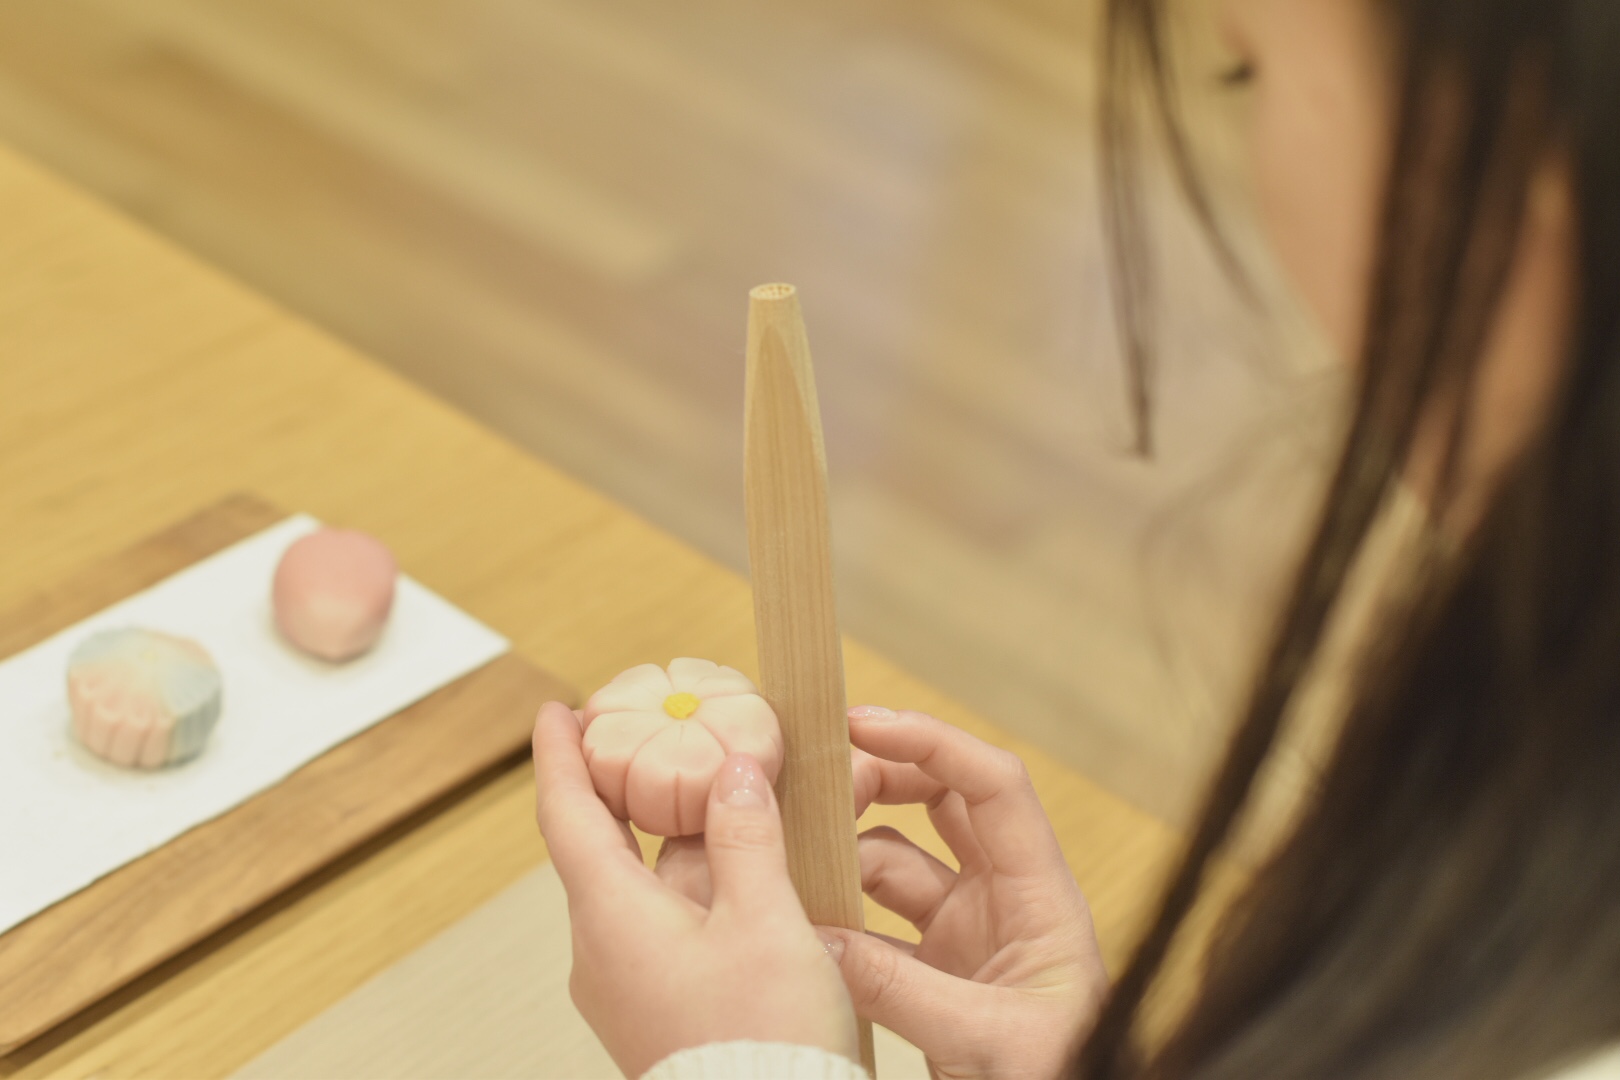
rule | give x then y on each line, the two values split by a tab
742	835
935	1012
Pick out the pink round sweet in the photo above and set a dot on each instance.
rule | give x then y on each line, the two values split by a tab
333	591
655	740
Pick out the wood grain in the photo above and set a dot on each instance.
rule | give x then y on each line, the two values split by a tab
143	565
801	657
464	1005
84	947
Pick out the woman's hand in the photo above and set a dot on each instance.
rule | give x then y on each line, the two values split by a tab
1007	975
655	971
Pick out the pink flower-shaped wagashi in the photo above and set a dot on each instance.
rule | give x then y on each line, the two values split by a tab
654	740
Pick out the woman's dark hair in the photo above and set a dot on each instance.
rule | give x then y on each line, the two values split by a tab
1448	902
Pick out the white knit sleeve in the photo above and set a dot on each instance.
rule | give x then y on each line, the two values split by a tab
755	1061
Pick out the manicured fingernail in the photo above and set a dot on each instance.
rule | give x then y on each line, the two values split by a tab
742	782
871	712
831	944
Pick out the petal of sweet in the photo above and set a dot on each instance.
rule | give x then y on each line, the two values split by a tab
705	678
610	743
687	672
641	689
668	786
744	724
726	682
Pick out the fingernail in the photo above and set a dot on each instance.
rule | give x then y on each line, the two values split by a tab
742	782
871	712
831	944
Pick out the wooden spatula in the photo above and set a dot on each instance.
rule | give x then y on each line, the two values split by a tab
801	660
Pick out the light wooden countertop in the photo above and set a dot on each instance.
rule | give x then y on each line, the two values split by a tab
138	385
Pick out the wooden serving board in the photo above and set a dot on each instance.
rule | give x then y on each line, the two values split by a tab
95	941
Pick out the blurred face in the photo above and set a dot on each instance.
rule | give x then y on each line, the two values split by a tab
1318	134
1320	83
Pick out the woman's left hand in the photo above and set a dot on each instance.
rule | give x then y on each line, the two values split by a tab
655	971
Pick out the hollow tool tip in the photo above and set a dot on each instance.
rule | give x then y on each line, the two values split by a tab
773	291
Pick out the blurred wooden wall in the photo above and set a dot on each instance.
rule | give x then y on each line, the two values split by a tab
549	213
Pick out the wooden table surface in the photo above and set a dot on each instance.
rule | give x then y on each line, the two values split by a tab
137	385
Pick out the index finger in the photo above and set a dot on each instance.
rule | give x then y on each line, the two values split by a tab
586	842
890	783
1005	813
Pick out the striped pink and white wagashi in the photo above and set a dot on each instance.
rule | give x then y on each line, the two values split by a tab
143	699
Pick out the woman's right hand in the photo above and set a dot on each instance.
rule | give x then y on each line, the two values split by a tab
1007	976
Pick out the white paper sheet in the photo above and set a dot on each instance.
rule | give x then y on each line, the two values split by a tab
68	818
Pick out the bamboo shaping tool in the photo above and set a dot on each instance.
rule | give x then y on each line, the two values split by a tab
801	659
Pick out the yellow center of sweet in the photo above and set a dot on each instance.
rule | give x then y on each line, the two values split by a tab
681	706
